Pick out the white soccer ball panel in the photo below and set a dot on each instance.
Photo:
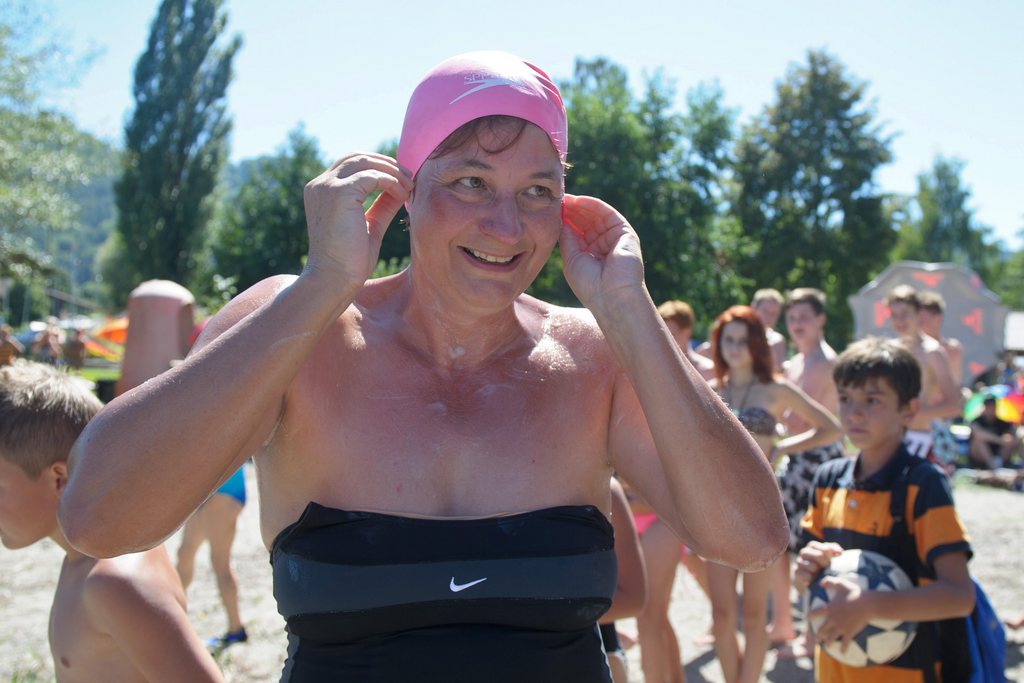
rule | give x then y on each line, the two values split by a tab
886	624
887	646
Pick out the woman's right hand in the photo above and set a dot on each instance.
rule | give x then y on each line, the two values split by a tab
344	241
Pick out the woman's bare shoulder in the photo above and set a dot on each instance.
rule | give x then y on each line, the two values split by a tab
573	327
242	305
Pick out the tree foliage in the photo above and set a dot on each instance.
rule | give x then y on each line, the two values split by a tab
262	230
661	170
806	197
175	145
1009	281
39	159
940	226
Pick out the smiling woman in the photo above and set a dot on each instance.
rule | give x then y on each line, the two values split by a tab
434	448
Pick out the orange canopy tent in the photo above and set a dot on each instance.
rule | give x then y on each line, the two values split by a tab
115	330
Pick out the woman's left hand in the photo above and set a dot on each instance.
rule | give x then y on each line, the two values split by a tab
600	251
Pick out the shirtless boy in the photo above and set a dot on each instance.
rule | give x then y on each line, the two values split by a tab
768	305
678	316
811	370
121	619
929	319
940	397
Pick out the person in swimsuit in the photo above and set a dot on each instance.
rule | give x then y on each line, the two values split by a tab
215	521
630	587
434	448
660	657
759	397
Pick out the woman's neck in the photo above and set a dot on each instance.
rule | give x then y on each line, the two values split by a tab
740	376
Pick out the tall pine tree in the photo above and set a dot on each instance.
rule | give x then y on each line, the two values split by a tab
175	145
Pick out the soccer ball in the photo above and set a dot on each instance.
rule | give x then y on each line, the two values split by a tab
882	640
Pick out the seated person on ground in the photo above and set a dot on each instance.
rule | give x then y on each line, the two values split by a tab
993	441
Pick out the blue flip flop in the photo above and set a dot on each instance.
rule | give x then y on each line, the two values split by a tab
218	643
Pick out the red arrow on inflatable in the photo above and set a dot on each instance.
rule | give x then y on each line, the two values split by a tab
973	321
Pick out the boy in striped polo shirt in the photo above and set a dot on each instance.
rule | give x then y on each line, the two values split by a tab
879	381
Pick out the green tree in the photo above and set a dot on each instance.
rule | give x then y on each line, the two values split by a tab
38	160
394	248
806	198
262	228
47	166
175	146
940	226
1009	283
661	170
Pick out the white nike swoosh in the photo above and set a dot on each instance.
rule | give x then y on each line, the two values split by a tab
455	588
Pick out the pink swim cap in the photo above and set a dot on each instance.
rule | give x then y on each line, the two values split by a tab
470	86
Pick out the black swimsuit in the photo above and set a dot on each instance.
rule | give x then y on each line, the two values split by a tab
375	597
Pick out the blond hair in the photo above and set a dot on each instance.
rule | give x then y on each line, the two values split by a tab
932	301
767	294
42	412
903	294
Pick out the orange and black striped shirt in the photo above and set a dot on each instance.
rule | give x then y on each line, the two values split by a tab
856	514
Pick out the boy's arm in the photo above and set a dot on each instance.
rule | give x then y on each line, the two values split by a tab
150	628
951	402
950	595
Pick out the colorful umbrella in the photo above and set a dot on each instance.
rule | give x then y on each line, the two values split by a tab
1016	399
1006	409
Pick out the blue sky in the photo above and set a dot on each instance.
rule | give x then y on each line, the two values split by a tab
947	77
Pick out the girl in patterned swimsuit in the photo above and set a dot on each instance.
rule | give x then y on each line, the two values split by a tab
745	381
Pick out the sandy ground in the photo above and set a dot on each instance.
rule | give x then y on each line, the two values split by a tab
994	518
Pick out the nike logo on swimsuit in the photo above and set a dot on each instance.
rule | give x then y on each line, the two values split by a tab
455	587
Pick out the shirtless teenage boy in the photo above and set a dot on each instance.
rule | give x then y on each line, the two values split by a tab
811	370
768	305
678	316
121	619
940	397
929	319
